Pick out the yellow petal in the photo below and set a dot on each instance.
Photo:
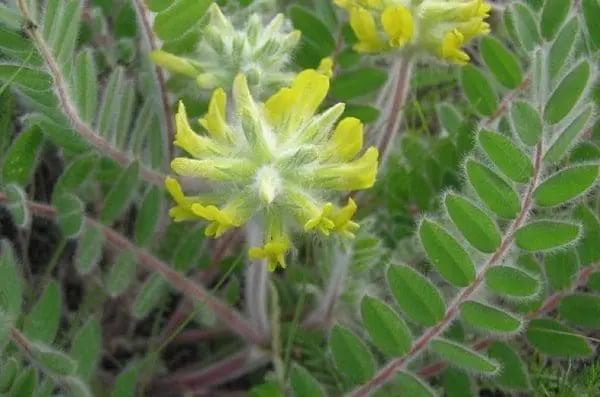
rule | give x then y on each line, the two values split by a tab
356	175
398	24
174	63
322	221
215	119
291	106
215	168
451	51
326	67
365	29
196	145
342	219
174	189
346	141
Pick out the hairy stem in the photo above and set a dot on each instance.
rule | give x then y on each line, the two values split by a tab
230	317
388	371
548	305
233	367
69	108
256	285
392	124
152	44
323	314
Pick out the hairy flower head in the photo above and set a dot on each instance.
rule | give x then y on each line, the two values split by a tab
436	27
279	163
261	52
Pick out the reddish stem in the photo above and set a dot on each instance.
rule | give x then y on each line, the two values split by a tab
388	371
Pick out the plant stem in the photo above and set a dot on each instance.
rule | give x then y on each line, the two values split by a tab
70	110
152	44
548	305
230	368
392	125
388	371
322	316
256	285
231	317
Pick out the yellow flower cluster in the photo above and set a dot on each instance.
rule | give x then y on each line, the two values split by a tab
276	162
437	27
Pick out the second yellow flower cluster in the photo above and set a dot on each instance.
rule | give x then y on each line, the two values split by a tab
437	27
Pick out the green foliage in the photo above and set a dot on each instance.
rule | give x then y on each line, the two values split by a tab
488	200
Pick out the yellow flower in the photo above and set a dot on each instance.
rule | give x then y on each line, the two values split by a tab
342	219
417	27
181	212
363	24
273	163
322	221
398	24
326	67
273	251
451	44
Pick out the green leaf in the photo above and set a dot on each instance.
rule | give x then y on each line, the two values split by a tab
25	383
566	185
69	210
357	82
89	249
562	47
76	174
10	368
150	295
126	382
501	62
42	322
412	386
17	205
268	389
513	373
366	114
121	274
488	317
76	387
581	309
188	250
591	10
180	17
494	191
121	193
588	249
526	122
511	281
457	383
462	356
351	355
446	254
417	297
525	25
313	29
554	339
20	160
303	384
146	220
567	94
561	267
474	223
546	235
11	286
450	118
566	137
507	156
386	329
478	90
553	16
86	348
53	361
594	281
24	77
70	20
